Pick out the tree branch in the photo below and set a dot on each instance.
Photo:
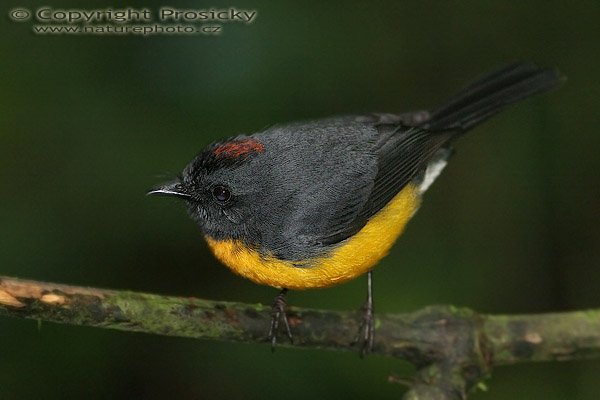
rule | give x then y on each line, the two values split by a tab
453	348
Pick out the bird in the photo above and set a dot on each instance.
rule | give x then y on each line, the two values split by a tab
317	203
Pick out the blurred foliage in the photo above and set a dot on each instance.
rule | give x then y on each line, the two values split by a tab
89	123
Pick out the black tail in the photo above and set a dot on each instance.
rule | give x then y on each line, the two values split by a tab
490	94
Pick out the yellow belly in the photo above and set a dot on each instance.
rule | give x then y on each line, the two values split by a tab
354	256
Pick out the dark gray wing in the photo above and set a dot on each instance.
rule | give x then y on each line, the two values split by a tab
402	151
408	141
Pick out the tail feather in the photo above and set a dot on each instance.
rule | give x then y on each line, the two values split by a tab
490	94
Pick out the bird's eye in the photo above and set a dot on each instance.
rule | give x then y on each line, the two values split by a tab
221	193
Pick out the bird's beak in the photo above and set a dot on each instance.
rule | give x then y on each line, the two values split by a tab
175	188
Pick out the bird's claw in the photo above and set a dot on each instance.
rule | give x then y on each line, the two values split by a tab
366	330
278	314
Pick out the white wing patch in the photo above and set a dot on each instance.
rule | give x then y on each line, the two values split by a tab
434	169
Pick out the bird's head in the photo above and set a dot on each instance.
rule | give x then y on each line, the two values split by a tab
218	187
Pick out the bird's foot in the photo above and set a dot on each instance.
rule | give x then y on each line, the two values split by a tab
366	330
278	315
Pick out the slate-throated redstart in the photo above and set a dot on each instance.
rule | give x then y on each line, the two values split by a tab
314	204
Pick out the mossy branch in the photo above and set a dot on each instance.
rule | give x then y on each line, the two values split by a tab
453	348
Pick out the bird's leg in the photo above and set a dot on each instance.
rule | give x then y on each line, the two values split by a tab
278	313
366	333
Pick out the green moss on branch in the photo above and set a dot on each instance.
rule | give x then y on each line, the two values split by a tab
453	348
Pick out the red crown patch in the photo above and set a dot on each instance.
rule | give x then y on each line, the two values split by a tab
238	148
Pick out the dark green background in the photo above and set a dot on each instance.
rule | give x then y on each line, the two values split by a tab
89	123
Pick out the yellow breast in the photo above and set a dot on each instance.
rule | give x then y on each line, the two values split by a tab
355	256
